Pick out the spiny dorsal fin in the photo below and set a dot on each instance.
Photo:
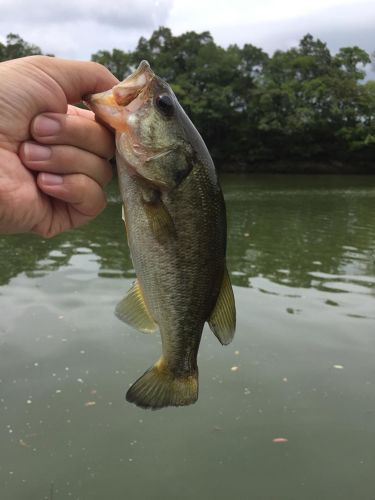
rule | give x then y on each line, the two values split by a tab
223	317
132	310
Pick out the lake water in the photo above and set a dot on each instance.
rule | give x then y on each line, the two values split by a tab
301	253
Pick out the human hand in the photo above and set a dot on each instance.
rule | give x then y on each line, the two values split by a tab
53	157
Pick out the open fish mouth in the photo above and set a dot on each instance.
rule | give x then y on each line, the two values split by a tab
114	107
128	90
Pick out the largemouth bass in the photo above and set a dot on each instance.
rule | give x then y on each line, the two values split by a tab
175	219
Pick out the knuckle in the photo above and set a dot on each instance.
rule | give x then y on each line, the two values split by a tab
38	59
99	67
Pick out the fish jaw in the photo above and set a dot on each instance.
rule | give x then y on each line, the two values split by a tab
107	110
125	92
115	106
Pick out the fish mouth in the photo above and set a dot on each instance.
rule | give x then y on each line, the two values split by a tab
128	90
114	107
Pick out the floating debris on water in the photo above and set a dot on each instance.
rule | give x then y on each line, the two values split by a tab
90	403
280	440
338	367
234	369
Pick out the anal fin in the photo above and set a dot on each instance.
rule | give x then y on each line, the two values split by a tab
132	310
223	317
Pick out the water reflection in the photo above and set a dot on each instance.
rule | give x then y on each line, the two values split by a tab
104	238
290	229
295	231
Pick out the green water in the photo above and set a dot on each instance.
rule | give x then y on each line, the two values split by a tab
301	367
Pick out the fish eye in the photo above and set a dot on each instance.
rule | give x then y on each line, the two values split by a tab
164	104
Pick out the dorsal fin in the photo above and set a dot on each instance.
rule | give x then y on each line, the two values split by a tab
223	317
132	310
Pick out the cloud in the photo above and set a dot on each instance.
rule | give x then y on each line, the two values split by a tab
125	14
78	40
78	28
273	25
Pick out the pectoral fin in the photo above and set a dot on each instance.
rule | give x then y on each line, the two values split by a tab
132	310
223	317
160	220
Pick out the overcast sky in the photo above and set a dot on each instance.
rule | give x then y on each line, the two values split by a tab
78	28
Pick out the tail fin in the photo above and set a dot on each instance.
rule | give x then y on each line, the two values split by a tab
158	387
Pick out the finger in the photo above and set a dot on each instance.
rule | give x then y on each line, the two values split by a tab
75	110
65	160
81	192
76	78
79	131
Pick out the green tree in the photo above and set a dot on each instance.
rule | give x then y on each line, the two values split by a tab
16	47
117	61
312	105
352	61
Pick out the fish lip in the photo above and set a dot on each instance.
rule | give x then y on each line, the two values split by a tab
114	106
128	89
138	82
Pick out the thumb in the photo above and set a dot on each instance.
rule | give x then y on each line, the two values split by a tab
76	78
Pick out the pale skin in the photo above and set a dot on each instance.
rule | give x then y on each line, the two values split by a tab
54	157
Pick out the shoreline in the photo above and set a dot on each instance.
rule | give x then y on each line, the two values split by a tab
301	167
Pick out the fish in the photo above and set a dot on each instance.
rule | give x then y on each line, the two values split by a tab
175	219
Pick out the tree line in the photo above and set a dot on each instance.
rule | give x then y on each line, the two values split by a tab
297	108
